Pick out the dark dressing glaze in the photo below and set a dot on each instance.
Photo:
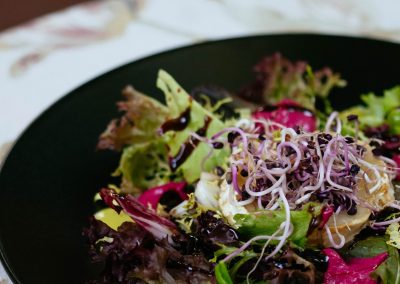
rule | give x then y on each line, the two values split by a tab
315	221
188	147
314	224
177	124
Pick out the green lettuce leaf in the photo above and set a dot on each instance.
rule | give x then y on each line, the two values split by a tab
240	259
177	102
268	222
376	108
375	113
368	247
222	274
143	165
391	99
144	162
389	271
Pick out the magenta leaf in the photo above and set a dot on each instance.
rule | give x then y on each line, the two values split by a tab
289	114
356	271
326	213
158	226
152	196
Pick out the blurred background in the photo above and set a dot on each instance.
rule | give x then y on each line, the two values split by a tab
31	9
48	48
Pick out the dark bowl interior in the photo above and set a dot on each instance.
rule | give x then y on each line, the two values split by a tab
48	181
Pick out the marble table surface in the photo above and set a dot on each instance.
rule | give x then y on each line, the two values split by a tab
42	60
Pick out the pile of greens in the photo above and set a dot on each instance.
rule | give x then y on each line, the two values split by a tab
164	223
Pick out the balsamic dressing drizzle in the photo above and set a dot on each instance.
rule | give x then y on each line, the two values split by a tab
188	147
177	124
315	221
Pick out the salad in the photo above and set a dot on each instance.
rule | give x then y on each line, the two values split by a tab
267	184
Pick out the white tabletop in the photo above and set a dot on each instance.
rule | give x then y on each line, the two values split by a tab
46	58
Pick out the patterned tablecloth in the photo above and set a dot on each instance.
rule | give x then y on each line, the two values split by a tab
44	59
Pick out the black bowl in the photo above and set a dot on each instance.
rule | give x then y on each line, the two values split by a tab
49	178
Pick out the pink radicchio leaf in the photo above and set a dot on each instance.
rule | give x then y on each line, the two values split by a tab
153	195
326	213
290	114
356	271
158	226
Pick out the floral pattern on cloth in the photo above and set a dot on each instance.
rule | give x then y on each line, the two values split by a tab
76	26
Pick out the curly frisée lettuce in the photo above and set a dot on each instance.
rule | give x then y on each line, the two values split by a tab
250	198
157	152
377	109
394	235
133	255
378	119
143	165
139	124
277	78
199	121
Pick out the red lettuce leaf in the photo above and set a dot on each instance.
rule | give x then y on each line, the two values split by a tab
133	255
278	78
212	232
140	122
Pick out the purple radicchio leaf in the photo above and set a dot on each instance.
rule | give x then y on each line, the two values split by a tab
158	226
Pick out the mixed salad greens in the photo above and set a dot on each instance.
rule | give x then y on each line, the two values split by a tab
283	190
